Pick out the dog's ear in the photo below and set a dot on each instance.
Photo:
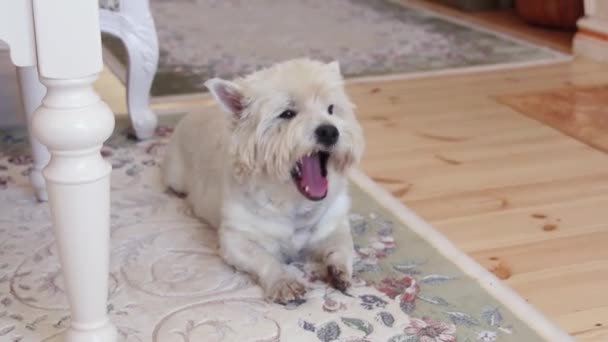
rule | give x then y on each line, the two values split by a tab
334	67
228	94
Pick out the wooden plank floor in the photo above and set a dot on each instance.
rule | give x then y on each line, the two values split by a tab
508	190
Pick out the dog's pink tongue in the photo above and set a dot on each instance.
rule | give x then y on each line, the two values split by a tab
312	177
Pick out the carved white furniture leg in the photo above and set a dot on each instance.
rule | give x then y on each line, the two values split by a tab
73	123
32	92
62	38
133	24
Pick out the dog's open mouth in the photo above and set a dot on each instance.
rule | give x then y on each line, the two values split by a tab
310	175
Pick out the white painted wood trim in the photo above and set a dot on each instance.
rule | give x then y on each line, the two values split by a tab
17	31
134	25
594	24
589	41
591	48
590	7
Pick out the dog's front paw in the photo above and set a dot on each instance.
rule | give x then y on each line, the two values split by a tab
338	277
286	290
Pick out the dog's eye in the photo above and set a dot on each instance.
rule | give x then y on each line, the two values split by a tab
330	109
288	114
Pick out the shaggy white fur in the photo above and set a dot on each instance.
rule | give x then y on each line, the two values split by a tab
271	172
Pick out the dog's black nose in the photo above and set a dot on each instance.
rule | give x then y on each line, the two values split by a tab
327	135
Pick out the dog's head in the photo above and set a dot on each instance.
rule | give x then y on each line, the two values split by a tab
291	123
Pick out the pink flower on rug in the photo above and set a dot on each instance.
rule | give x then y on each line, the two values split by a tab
382	243
331	305
4	181
164	131
406	288
22	159
429	330
378	248
388	241
371	253
156	149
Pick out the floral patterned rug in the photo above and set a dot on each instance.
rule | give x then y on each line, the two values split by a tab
167	283
200	39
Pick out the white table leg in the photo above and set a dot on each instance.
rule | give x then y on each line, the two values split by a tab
73	123
32	92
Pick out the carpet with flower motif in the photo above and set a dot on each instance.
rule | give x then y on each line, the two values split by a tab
167	283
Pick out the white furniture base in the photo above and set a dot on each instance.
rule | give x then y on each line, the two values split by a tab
61	40
591	40
131	21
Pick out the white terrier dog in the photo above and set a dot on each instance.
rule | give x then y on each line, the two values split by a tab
272	172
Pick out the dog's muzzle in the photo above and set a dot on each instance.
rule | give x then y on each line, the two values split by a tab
327	135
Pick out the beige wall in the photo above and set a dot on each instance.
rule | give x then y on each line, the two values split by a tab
596	8
602	8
